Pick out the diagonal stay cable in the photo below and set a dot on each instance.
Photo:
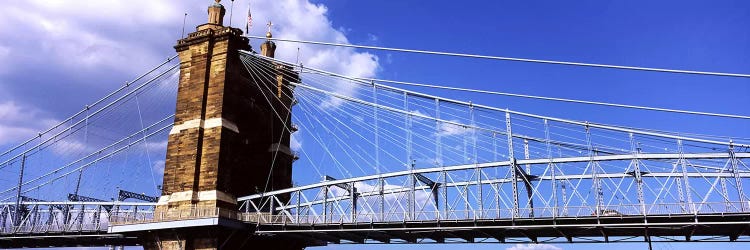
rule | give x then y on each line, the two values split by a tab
573	122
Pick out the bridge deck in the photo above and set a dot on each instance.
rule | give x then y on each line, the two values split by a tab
703	227
587	229
68	239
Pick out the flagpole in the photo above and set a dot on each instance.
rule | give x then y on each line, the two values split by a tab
231	11
184	20
249	20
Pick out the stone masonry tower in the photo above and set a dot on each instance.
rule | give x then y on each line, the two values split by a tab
228	140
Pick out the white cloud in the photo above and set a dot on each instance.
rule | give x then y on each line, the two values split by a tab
69	147
372	38
84	35
18	123
295	142
448	129
159	146
149	11
418	113
302	20
14	134
11	111
158	167
76	37
533	247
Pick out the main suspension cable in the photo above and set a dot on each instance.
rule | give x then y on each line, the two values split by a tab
536	61
516	59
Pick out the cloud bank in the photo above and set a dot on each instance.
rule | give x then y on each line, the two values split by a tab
77	51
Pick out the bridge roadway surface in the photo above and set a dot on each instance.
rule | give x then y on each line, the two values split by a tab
588	229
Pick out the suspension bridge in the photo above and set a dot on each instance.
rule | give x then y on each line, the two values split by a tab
379	165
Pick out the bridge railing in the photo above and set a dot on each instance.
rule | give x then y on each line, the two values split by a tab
184	213
66	217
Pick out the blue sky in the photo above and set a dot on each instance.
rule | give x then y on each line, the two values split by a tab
79	49
688	35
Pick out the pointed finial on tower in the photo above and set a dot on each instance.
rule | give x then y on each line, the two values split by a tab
268	48
268	34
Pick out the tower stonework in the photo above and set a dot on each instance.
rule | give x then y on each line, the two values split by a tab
230	139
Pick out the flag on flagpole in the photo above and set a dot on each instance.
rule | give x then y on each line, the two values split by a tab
249	20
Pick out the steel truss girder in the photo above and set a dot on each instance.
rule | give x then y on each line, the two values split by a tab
292	210
494	181
583	159
123	195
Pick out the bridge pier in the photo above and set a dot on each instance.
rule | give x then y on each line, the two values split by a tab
230	138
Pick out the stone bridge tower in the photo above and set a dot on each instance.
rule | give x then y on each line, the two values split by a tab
228	141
